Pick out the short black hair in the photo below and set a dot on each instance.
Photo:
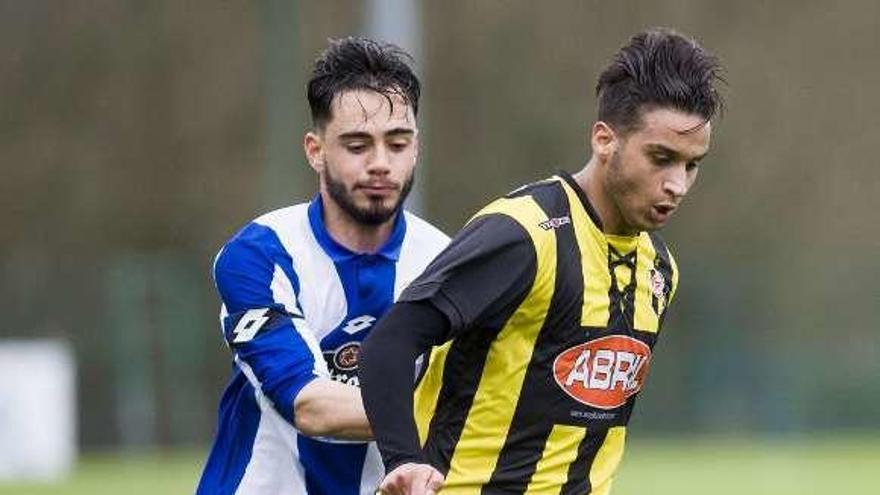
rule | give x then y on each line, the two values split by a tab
658	68
360	63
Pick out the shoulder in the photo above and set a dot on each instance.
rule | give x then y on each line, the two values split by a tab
271	227
421	244
660	247
284	219
550	188
266	236
534	207
422	231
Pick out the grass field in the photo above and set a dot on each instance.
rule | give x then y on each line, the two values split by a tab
651	467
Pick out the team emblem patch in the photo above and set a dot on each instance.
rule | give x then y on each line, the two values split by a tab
342	363
603	373
346	357
659	289
658	283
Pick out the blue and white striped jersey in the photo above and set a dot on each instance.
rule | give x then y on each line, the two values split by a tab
296	306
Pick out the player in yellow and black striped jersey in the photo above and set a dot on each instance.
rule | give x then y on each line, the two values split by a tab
545	308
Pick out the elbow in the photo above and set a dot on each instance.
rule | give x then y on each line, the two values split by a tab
325	408
311	423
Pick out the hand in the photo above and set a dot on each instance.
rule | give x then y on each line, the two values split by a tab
412	479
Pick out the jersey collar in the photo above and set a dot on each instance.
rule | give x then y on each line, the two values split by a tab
623	243
337	252
582	195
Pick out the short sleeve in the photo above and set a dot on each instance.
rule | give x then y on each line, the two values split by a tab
484	273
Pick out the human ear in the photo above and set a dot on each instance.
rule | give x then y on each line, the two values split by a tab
313	145
603	140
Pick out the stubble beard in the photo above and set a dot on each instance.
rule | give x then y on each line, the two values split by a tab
619	189
376	213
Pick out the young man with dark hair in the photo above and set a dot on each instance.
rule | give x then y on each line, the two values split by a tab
545	308
302	286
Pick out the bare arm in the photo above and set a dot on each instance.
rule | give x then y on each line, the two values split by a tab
326	408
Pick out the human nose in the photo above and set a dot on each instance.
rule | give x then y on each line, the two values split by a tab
380	162
676	183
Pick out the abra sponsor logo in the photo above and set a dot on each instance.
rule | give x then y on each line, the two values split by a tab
342	363
555	223
603	373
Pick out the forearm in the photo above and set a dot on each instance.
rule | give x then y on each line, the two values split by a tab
325	408
387	363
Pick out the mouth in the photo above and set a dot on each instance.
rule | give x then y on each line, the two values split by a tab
663	210
378	188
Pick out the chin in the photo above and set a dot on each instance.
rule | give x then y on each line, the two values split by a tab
655	226
385	201
646	226
385	204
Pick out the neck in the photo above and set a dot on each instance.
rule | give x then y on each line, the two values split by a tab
590	180
356	236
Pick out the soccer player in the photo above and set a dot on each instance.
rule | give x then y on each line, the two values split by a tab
302	286
545	308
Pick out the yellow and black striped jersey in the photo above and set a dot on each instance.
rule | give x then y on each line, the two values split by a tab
552	326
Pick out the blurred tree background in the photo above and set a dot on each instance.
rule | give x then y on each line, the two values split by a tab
135	137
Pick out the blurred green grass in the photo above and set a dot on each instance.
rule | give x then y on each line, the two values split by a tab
123	474
651	466
773	466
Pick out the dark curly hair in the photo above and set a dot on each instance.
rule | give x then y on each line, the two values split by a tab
360	63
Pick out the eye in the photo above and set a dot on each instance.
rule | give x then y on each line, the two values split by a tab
356	148
398	146
691	166
661	159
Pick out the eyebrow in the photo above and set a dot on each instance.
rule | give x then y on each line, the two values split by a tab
669	151
400	131
397	131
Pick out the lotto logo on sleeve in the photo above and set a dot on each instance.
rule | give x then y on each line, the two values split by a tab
603	373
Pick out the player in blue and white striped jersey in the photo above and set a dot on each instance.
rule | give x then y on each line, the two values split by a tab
302	286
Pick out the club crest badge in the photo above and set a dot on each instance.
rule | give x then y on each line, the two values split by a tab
658	284
659	289
342	363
